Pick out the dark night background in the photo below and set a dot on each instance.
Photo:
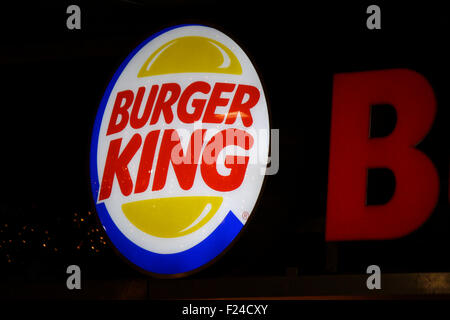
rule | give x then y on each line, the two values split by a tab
53	80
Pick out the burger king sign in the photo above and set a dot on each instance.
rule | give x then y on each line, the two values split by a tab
179	149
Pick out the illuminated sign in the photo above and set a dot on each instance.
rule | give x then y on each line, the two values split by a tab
179	149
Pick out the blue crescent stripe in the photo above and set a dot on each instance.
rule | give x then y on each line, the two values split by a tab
174	263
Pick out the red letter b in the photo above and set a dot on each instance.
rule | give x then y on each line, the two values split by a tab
353	153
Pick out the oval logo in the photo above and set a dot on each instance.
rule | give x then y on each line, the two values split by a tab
179	149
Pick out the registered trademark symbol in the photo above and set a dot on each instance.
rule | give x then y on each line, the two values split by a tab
245	215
